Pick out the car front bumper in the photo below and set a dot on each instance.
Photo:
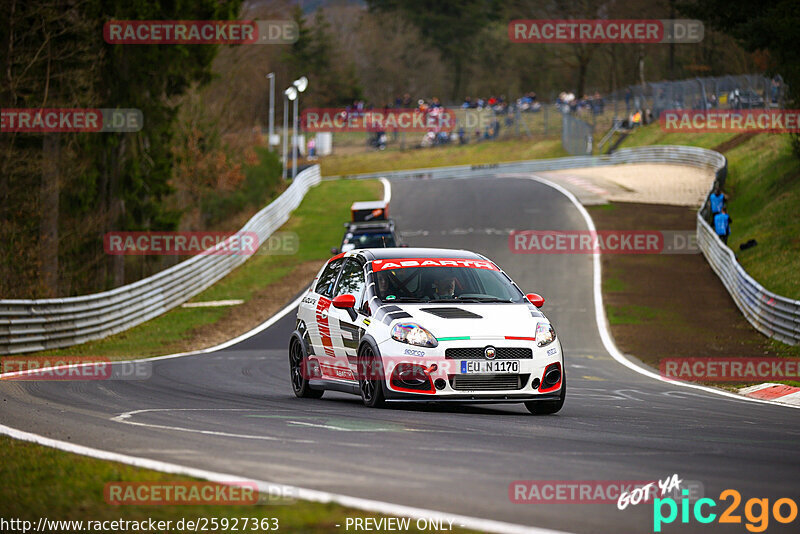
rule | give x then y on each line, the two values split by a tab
413	373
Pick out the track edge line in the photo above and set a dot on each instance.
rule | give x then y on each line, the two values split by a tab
602	322
386	508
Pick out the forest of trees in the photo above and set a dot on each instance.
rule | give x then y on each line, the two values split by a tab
61	192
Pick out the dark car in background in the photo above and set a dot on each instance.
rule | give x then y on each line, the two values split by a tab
370	227
373	234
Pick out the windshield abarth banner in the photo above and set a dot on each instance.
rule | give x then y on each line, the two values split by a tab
406	263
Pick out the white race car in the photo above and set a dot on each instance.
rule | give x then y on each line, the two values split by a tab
435	325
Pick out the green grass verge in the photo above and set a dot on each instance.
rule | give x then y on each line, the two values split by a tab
654	135
614	284
764	189
763	184
537	147
631	314
318	225
43	482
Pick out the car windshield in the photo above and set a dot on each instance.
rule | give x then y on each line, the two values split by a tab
445	284
370	240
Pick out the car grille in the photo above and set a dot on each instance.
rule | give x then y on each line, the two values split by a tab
488	382
476	353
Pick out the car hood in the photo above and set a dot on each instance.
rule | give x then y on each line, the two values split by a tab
476	321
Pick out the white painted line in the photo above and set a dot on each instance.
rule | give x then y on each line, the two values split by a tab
126	418
387	190
328	427
602	322
793	399
385	508
789	395
758	387
260	328
212	303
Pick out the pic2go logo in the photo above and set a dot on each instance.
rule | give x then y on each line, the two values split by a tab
757	521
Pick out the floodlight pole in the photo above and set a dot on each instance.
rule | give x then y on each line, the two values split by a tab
294	139
285	132
271	77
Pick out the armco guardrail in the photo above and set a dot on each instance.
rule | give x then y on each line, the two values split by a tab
678	155
31	325
773	315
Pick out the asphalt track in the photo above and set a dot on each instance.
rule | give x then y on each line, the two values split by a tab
232	411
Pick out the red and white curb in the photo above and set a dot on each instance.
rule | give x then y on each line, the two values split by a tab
774	392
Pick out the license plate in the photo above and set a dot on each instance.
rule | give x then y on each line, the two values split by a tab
487	366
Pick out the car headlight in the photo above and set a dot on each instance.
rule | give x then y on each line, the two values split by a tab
545	334
413	334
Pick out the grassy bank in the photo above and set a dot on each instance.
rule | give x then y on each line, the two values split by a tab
763	186
317	223
764	189
40	482
648	295
536	147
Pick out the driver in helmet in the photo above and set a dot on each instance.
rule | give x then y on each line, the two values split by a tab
444	287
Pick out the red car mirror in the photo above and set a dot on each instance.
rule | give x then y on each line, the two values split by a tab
533	298
347	301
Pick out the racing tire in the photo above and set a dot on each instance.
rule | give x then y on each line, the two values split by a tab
297	363
551	406
371	390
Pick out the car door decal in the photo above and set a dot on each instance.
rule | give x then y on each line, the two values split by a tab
350	335
321	318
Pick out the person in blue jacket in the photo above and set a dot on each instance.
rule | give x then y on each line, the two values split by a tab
716	201
722	224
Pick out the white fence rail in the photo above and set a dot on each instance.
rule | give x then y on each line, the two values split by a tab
773	315
32	325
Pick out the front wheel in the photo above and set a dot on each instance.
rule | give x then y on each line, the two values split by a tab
299	372
370	368
551	406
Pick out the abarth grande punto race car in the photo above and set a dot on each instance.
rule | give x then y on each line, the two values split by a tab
423	324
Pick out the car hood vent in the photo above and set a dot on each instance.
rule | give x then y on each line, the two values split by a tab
451	313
